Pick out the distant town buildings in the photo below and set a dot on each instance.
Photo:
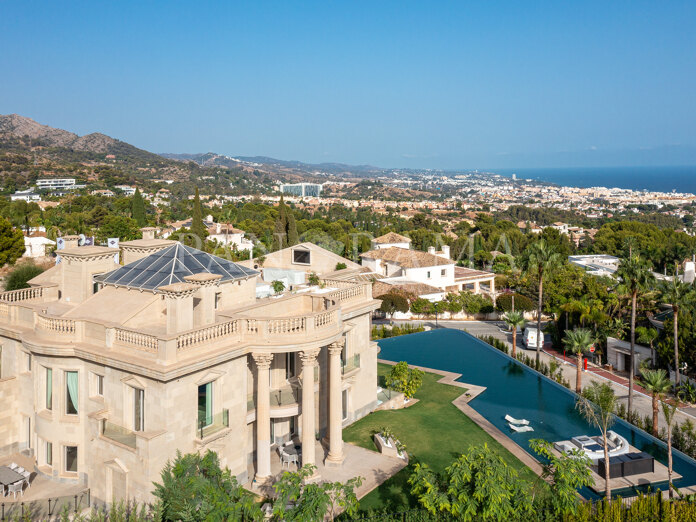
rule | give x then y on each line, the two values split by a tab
25	195
301	189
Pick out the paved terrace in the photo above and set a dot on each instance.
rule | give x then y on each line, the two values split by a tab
45	498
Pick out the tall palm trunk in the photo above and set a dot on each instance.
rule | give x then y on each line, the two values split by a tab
578	379
538	337
631	368
607	487
514	342
675	309
669	460
654	405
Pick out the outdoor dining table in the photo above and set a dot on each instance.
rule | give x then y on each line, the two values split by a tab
292	450
9	476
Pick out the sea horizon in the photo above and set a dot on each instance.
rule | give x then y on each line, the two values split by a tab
677	178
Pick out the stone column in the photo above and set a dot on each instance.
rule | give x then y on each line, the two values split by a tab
493	290
335	456
263	416
309	362
476	287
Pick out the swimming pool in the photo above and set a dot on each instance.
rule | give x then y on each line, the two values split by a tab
515	389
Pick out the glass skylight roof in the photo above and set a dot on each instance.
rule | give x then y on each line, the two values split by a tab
170	266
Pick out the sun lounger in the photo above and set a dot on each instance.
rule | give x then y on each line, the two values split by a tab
520	429
520	422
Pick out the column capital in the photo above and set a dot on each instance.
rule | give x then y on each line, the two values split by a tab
309	357
337	347
263	360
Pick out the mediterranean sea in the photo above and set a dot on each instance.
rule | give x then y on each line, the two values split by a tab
663	179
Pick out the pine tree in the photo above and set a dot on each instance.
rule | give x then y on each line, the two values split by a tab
138	209
197	226
293	237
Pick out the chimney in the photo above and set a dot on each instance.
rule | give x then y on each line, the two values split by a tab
445	251
79	265
431	250
218	228
148	232
204	302
179	299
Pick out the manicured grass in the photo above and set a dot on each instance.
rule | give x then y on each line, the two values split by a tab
434	431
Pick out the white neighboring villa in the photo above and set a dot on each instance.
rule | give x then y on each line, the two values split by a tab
228	235
393	259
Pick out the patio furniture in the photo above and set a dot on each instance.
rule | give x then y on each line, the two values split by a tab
287	459
16	488
9	477
14	465
520	429
512	420
27	477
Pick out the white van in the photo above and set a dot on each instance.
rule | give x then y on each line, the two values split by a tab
529	338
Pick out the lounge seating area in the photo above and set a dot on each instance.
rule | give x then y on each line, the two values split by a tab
637	463
593	447
13	479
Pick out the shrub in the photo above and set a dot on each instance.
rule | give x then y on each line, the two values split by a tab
18	278
522	303
404	379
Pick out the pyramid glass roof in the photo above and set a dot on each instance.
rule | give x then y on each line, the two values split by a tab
170	266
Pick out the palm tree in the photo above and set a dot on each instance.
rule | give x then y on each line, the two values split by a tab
677	293
514	320
539	260
635	275
648	335
657	383
669	411
579	341
598	405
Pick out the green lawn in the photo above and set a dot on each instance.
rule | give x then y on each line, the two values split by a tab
434	431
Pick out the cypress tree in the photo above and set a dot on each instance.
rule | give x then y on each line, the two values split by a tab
197	226
138	209
280	230
293	237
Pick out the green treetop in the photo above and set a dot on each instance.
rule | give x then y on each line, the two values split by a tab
197	226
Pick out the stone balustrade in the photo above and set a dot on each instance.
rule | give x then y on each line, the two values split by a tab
16	310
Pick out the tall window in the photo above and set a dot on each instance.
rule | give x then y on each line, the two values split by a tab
71	393
289	365
70	458
49	453
100	385
138	409
28	362
49	388
205	404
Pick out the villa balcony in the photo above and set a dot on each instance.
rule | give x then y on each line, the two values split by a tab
218	422
118	434
294	318
350	365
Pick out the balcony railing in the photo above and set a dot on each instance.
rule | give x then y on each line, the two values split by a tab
283	397
217	422
19	308
351	364
118	433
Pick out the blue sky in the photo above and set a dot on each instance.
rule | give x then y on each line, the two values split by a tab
421	84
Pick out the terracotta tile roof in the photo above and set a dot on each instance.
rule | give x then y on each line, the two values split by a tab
462	273
380	288
391	237
407	258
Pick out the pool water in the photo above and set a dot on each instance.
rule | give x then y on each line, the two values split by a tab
516	390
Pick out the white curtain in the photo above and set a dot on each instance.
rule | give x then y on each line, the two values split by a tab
73	386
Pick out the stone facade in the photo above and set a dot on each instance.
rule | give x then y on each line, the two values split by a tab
102	381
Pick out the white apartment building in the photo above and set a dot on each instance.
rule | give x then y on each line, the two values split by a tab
107	370
55	183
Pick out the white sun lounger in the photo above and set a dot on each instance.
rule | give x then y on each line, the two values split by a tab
512	420
520	429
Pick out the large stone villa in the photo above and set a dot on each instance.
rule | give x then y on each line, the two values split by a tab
107	369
